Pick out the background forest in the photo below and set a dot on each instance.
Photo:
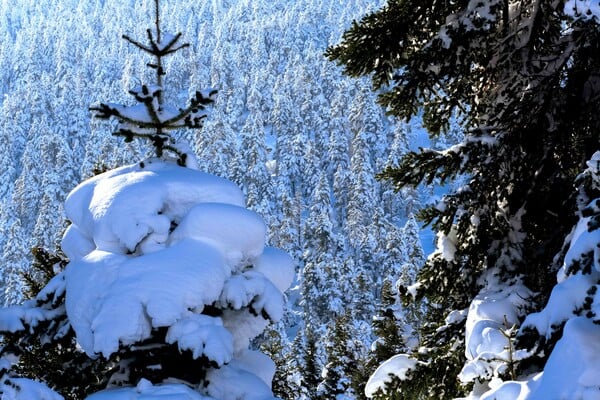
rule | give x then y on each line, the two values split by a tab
303	142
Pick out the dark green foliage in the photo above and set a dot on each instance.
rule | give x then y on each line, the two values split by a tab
526	87
311	369
43	269
274	346
386	327
579	264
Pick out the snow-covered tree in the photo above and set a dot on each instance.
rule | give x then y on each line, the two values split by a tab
257	181
323	295
267	53
342	349
309	362
523	78
167	281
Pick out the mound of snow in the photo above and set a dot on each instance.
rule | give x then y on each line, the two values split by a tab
117	210
26	389
238	233
146	391
112	298
154	245
398	366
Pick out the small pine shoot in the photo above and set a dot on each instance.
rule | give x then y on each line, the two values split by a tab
151	119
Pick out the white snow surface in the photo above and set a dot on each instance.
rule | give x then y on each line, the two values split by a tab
571	372
446	245
238	233
492	317
397	366
151	245
27	389
146	391
14	318
202	335
113	298
277	266
134	206
584	9
234	381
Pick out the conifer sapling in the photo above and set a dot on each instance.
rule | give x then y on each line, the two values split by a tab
151	119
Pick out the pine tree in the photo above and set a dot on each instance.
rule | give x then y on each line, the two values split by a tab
362	197
388	326
522	77
48	352
257	180
287	379
15	256
310	362
323	294
343	349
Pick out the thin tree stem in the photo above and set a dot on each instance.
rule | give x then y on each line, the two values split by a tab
159	67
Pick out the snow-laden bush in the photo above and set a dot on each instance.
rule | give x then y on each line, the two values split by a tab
169	279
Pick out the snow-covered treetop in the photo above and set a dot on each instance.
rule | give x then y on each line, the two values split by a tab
150	118
152	245
166	257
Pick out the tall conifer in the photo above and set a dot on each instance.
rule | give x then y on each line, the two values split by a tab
523	78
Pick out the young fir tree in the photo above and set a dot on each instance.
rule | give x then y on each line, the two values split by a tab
167	281
152	119
309	360
342	350
523	77
387	326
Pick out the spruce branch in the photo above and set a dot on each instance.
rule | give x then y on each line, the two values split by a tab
138	44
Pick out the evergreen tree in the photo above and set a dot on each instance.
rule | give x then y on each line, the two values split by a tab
56	183
289	236
523	78
257	180
15	254
322	276
276	345
217	147
362	196
342	358
309	362
388	327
